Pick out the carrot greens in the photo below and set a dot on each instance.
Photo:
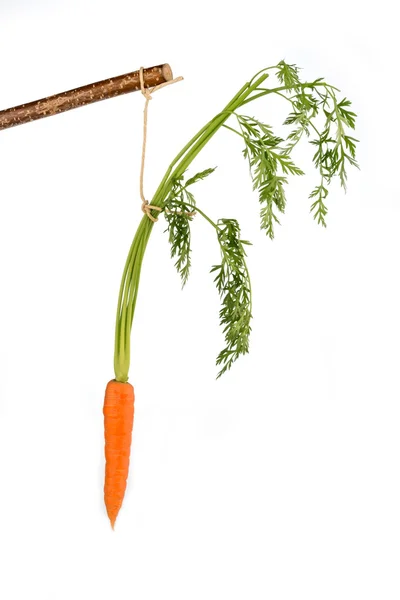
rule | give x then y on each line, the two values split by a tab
317	114
179	210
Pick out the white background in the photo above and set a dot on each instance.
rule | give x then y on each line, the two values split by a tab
279	481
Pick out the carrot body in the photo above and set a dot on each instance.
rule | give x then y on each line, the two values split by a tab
118	422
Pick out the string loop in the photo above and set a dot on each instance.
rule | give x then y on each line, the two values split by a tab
147	92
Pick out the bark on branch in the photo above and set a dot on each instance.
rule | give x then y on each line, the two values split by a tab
87	94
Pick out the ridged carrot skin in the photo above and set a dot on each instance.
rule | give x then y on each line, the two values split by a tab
118	413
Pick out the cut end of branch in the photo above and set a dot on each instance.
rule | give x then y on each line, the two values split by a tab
167	72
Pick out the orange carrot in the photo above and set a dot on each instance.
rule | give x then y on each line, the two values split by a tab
118	422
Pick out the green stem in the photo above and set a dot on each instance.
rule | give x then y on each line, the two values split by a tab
233	129
127	299
265	92
197	143
188	146
203	214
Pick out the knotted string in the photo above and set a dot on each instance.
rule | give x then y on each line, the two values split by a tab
147	92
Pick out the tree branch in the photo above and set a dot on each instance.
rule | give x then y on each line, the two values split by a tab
93	92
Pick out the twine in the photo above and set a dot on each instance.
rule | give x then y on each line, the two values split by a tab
147	92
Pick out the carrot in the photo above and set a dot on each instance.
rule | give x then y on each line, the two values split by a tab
118	422
270	161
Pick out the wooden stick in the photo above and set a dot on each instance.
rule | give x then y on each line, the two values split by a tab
87	94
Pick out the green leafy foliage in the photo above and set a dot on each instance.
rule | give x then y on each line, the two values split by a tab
179	208
318	207
269	162
199	176
305	107
335	149
178	214
233	284
288	75
315	114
